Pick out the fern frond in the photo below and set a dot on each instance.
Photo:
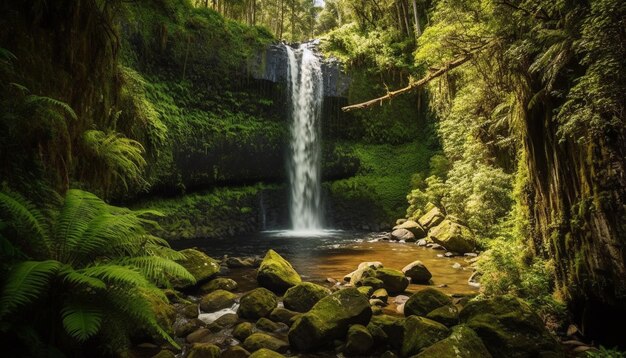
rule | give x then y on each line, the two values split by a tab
159	270
81	322
78	278
26	219
25	282
117	274
48	102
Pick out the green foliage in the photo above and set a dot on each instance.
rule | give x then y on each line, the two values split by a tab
95	263
604	352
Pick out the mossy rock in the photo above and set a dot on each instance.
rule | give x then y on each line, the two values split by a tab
372	282
225	321
386	330
235	352
463	342
366	290
419	333
432	218
329	319
257	303
380	294
217	300
267	325
394	281
266	353
276	273
403	235
414	227
164	353
417	272
243	330
303	296
454	237
283	315
258	341
204	350
359	341
447	315
425	301
220	283
183	327
199	265
509	328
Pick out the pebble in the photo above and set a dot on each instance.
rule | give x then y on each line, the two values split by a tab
442	285
331	280
470	254
400	299
456	265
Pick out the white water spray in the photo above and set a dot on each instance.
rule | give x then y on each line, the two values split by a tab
305	81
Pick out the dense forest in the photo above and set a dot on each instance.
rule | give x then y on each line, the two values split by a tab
194	178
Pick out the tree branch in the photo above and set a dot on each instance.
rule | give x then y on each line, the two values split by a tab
414	85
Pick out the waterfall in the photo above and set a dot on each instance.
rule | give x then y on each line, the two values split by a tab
305	82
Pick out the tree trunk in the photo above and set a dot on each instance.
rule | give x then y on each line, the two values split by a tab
282	19
406	18
418	30
400	22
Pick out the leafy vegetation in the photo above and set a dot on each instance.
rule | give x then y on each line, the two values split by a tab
84	271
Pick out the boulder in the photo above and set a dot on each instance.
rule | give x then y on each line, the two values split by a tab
257	341
204	350
304	296
417	272
267	325
380	294
370	264
329	319
463	342
366	290
276	273
225	321
414	227
403	235
164	353
372	282
359	341
509	328
199	265
394	281
425	301
266	353
257	303
183	327
447	315
243	330
283	315
220	283
198	336
217	300
237	262
431	219
235	352
454	237
419	333
386	330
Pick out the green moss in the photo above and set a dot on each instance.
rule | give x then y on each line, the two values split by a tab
304	296
201	266
276	273
257	303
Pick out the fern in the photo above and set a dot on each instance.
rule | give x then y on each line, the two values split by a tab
47	102
27	281
81	322
26	219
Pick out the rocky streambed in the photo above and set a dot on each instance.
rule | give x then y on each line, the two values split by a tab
270	307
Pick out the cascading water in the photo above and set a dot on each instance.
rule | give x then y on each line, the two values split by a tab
305	81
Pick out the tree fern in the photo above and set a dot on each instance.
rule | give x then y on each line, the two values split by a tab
27	281
48	102
26	219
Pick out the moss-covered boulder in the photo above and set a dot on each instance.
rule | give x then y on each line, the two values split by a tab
266	353
419	333
372	282
257	341
329	319
204	350
403	235
447	315
359	341
394	281
366	290
235	352
509	328
414	227
386	330
243	330
268	325
424	301
417	272
380	294
454	237
276	273
201	266
283	315
217	300
463	342
220	283
304	296
431	219
225	321
257	303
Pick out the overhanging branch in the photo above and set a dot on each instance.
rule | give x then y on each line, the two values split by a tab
415	85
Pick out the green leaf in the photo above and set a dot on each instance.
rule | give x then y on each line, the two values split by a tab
81	322
26	282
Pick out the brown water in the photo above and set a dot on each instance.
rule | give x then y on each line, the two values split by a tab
337	253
